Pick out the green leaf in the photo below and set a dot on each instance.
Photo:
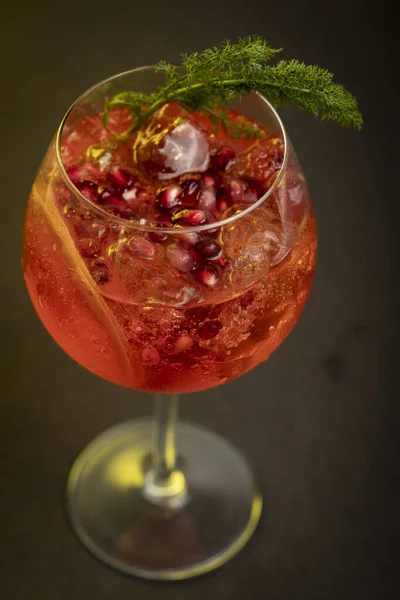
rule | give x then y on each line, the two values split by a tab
213	78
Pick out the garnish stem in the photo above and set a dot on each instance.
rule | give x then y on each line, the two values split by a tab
216	76
176	93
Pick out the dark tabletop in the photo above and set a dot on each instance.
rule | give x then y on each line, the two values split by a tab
317	421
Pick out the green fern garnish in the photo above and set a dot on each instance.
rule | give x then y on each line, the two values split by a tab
208	80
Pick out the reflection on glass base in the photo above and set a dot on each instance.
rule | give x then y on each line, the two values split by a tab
113	519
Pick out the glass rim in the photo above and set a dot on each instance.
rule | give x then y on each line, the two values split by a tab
154	228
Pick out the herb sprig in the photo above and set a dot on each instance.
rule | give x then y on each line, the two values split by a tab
207	80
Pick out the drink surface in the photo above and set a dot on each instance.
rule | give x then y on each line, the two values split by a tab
173	312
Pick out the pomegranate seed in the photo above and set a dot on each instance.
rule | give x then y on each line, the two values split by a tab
169	197
223	200
209	248
76	174
211	178
157	236
207	199
190	217
209	329
150	356
110	199
100	272
207	275
222	262
163	221
89	247
88	189
142	247
120	178
223	159
180	258
197	257
211	219
236	190
190	190
189	237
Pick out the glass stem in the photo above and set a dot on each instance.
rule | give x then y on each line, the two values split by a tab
165	483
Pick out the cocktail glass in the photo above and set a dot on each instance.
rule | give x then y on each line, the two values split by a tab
126	300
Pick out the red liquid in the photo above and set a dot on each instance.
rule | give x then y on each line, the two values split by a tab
165	315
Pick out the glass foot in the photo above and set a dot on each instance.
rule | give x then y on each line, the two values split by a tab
112	517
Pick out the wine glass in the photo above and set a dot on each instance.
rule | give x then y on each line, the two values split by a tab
127	300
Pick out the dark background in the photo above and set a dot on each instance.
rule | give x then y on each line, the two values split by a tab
318	420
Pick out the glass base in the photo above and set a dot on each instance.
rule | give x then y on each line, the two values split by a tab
114	520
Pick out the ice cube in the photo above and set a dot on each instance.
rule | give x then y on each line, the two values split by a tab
171	144
251	264
185	150
252	245
235	235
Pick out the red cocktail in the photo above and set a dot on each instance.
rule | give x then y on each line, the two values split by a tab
203	298
171	259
